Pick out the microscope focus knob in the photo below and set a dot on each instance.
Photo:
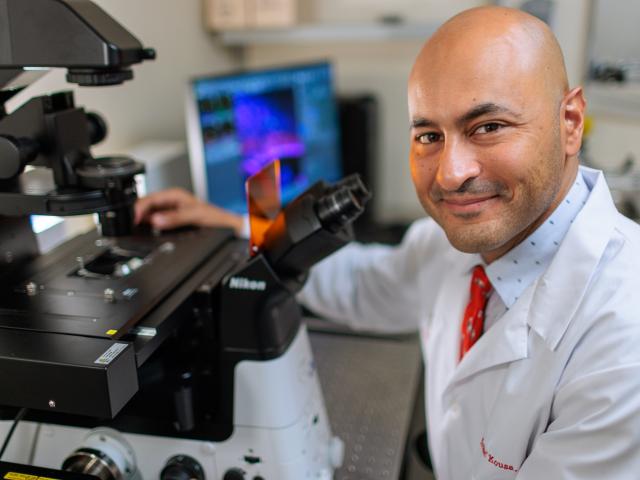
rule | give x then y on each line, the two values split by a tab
15	153
234	474
97	127
182	467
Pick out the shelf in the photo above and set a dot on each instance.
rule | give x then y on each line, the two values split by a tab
619	99
329	33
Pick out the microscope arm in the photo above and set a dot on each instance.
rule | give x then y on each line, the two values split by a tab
72	34
50	131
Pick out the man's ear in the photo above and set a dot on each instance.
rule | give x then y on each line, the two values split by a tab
573	109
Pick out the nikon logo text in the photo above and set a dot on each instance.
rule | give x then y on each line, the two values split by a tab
241	283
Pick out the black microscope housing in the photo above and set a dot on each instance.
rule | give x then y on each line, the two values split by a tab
49	132
126	327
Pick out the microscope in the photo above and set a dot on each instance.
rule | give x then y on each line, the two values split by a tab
126	353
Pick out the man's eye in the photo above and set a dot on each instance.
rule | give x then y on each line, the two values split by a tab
488	128
429	137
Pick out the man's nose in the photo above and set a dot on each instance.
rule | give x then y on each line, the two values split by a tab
457	163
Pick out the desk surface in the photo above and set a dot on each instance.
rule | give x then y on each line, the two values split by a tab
370	386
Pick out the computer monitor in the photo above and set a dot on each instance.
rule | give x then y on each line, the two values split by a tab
238	123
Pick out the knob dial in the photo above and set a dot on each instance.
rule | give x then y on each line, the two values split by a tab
15	154
182	467
234	474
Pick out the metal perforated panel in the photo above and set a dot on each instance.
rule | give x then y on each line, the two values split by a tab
369	386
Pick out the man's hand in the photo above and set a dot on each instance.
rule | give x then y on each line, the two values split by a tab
175	208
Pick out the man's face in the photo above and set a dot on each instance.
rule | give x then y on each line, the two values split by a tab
486	150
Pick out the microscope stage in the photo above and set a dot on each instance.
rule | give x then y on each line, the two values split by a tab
99	287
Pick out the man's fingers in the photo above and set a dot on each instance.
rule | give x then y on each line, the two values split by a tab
176	208
169	219
163	200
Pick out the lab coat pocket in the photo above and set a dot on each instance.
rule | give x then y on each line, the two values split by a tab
490	465
515	417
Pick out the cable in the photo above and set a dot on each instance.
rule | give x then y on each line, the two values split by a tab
21	413
34	444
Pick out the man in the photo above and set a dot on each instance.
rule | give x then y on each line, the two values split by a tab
533	371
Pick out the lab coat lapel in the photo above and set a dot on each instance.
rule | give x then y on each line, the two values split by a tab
562	287
504	342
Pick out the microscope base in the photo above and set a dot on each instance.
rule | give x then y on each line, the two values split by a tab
281	429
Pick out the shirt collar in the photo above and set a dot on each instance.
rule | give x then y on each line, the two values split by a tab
511	274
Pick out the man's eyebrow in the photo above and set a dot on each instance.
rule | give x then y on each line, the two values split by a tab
422	122
484	109
475	112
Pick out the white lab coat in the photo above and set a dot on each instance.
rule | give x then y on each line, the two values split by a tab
552	389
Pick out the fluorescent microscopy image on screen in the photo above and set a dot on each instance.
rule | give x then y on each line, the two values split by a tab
244	121
266	128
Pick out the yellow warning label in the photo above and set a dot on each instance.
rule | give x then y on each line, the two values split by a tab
112	332
19	476
24	476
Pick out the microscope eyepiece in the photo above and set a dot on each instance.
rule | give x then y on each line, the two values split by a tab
357	187
343	203
338	208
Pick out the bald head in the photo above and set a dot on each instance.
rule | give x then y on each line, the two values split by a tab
507	41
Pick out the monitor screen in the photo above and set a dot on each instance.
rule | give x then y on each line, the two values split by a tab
239	123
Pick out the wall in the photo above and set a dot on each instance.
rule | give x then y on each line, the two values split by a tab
372	10
151	106
615	108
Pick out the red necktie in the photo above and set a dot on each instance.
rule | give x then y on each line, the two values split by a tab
473	321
